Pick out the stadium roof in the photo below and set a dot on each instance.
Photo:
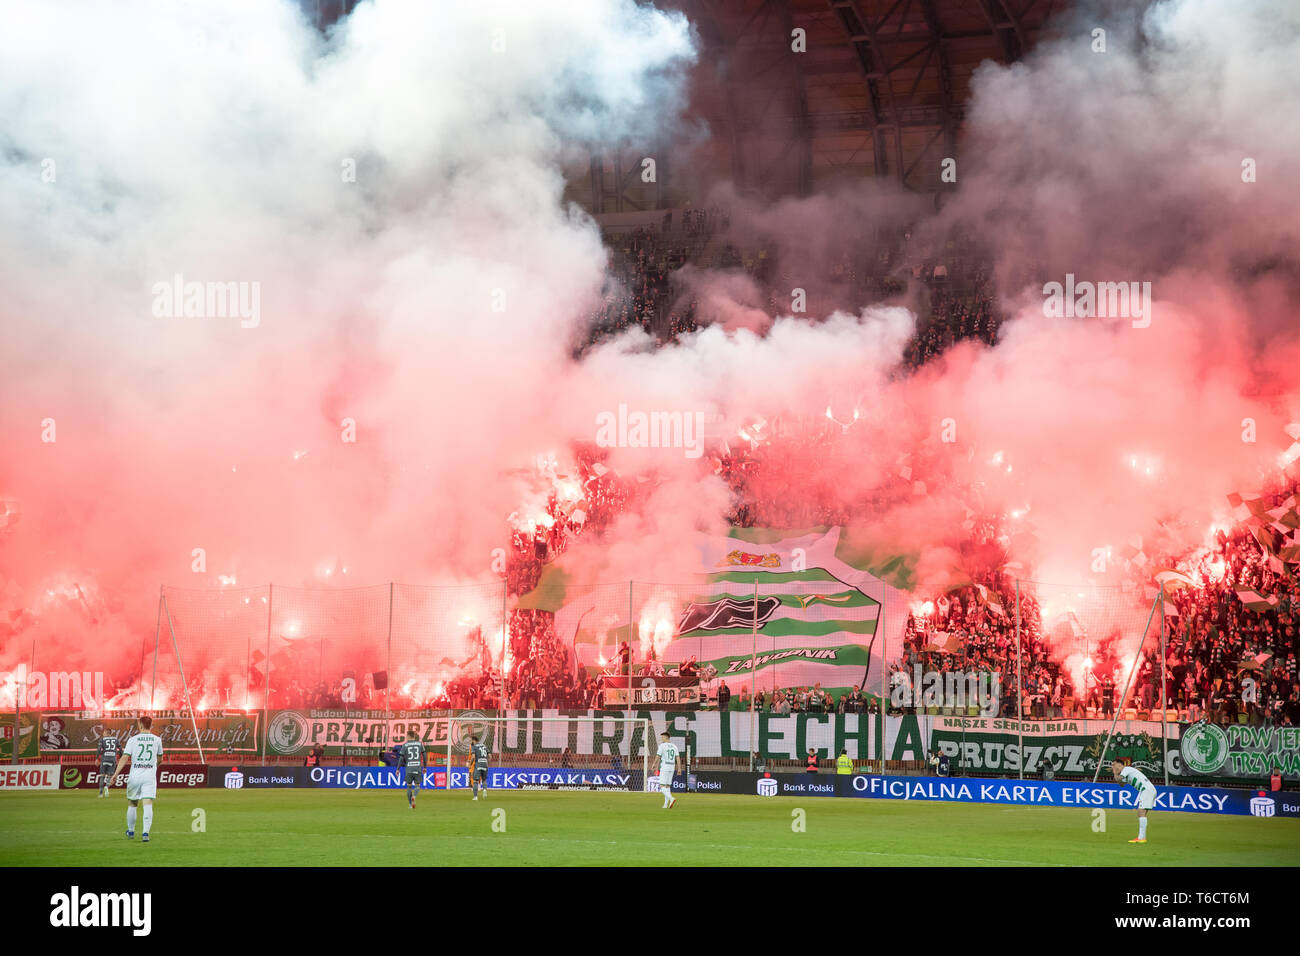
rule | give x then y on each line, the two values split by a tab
880	91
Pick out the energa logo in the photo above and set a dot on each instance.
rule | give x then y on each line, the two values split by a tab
766	787
1204	748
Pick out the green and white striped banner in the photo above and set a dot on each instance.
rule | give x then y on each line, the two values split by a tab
817	619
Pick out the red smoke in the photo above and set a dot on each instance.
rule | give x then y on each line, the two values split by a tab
426	307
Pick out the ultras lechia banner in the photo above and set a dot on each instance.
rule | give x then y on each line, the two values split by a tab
980	745
799	608
543	736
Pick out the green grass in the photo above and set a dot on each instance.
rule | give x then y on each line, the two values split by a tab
559	828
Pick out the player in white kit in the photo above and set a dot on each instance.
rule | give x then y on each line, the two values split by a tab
667	767
1146	794
145	753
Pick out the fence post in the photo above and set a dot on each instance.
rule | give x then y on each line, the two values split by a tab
198	742
753	681
1137	657
1020	706
631	630
388	663
266	690
505	637
20	691
248	666
882	708
144	651
157	631
1164	703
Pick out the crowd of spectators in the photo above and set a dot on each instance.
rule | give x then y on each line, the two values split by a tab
702	222
638	285
681	320
1225	662
954	316
543	672
1215	643
797	700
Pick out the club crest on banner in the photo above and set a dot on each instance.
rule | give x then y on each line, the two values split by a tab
747	560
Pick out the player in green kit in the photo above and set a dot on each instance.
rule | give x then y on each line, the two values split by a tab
413	760
478	770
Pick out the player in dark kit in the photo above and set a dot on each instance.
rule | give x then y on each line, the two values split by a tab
413	761
479	767
109	749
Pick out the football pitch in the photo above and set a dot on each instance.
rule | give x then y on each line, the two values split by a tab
577	828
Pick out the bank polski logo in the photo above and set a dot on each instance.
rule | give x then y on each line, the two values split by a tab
288	731
766	787
234	779
1204	748
1262	806
470	724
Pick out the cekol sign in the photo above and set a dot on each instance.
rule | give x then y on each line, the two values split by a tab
32	777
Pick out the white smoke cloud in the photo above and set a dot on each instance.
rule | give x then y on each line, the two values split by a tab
215	141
